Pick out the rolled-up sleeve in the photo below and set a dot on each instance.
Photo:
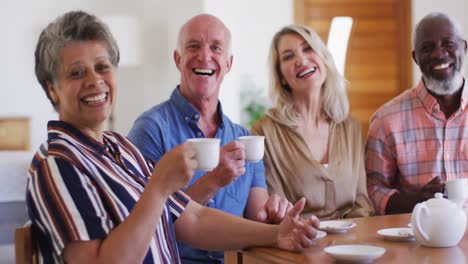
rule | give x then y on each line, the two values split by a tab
380	165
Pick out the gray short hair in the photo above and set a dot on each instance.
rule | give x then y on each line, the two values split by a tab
71	27
436	15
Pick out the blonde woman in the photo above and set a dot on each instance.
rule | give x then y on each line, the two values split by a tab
314	149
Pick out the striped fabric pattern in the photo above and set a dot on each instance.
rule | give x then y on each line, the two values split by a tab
80	189
410	141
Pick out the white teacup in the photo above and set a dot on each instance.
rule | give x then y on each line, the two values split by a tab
457	190
206	152
254	147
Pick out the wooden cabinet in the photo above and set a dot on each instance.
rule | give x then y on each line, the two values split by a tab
14	133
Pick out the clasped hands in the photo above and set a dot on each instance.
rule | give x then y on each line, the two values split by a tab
432	187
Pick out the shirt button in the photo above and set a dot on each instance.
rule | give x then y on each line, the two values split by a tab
196	116
198	133
186	118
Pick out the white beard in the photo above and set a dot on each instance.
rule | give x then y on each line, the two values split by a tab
445	87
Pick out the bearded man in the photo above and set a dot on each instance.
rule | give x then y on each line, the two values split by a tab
419	140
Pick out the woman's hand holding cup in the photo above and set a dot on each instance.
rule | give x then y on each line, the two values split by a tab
206	152
175	169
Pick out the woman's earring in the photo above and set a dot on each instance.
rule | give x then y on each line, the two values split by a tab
53	98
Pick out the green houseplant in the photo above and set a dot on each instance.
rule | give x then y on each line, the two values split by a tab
253	102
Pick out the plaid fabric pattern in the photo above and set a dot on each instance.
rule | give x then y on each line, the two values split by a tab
410	141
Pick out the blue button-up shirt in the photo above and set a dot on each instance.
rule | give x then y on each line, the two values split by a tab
171	123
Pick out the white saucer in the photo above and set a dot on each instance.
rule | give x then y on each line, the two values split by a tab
336	226
397	234
320	235
355	253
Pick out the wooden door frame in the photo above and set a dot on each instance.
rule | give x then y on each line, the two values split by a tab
404	21
404	39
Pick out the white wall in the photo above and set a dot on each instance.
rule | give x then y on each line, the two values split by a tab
252	24
21	93
454	8
250	40
149	83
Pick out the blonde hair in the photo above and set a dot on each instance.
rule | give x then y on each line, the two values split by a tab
335	105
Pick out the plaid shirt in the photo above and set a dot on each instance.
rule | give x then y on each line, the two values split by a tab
410	141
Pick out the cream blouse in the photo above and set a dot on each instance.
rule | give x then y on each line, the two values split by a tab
338	191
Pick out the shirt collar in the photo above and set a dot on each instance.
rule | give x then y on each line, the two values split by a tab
430	102
187	110
57	129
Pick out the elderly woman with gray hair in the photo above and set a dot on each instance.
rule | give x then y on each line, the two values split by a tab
93	197
314	149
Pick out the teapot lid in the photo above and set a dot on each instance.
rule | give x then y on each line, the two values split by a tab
439	201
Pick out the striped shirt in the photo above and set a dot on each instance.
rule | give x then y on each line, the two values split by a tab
80	190
410	142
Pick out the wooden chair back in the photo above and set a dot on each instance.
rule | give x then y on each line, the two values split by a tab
25	248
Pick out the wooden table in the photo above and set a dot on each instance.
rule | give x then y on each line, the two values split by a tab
364	233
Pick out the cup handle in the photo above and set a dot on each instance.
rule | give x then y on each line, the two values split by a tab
421	208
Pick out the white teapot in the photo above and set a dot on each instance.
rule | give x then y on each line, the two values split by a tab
438	222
